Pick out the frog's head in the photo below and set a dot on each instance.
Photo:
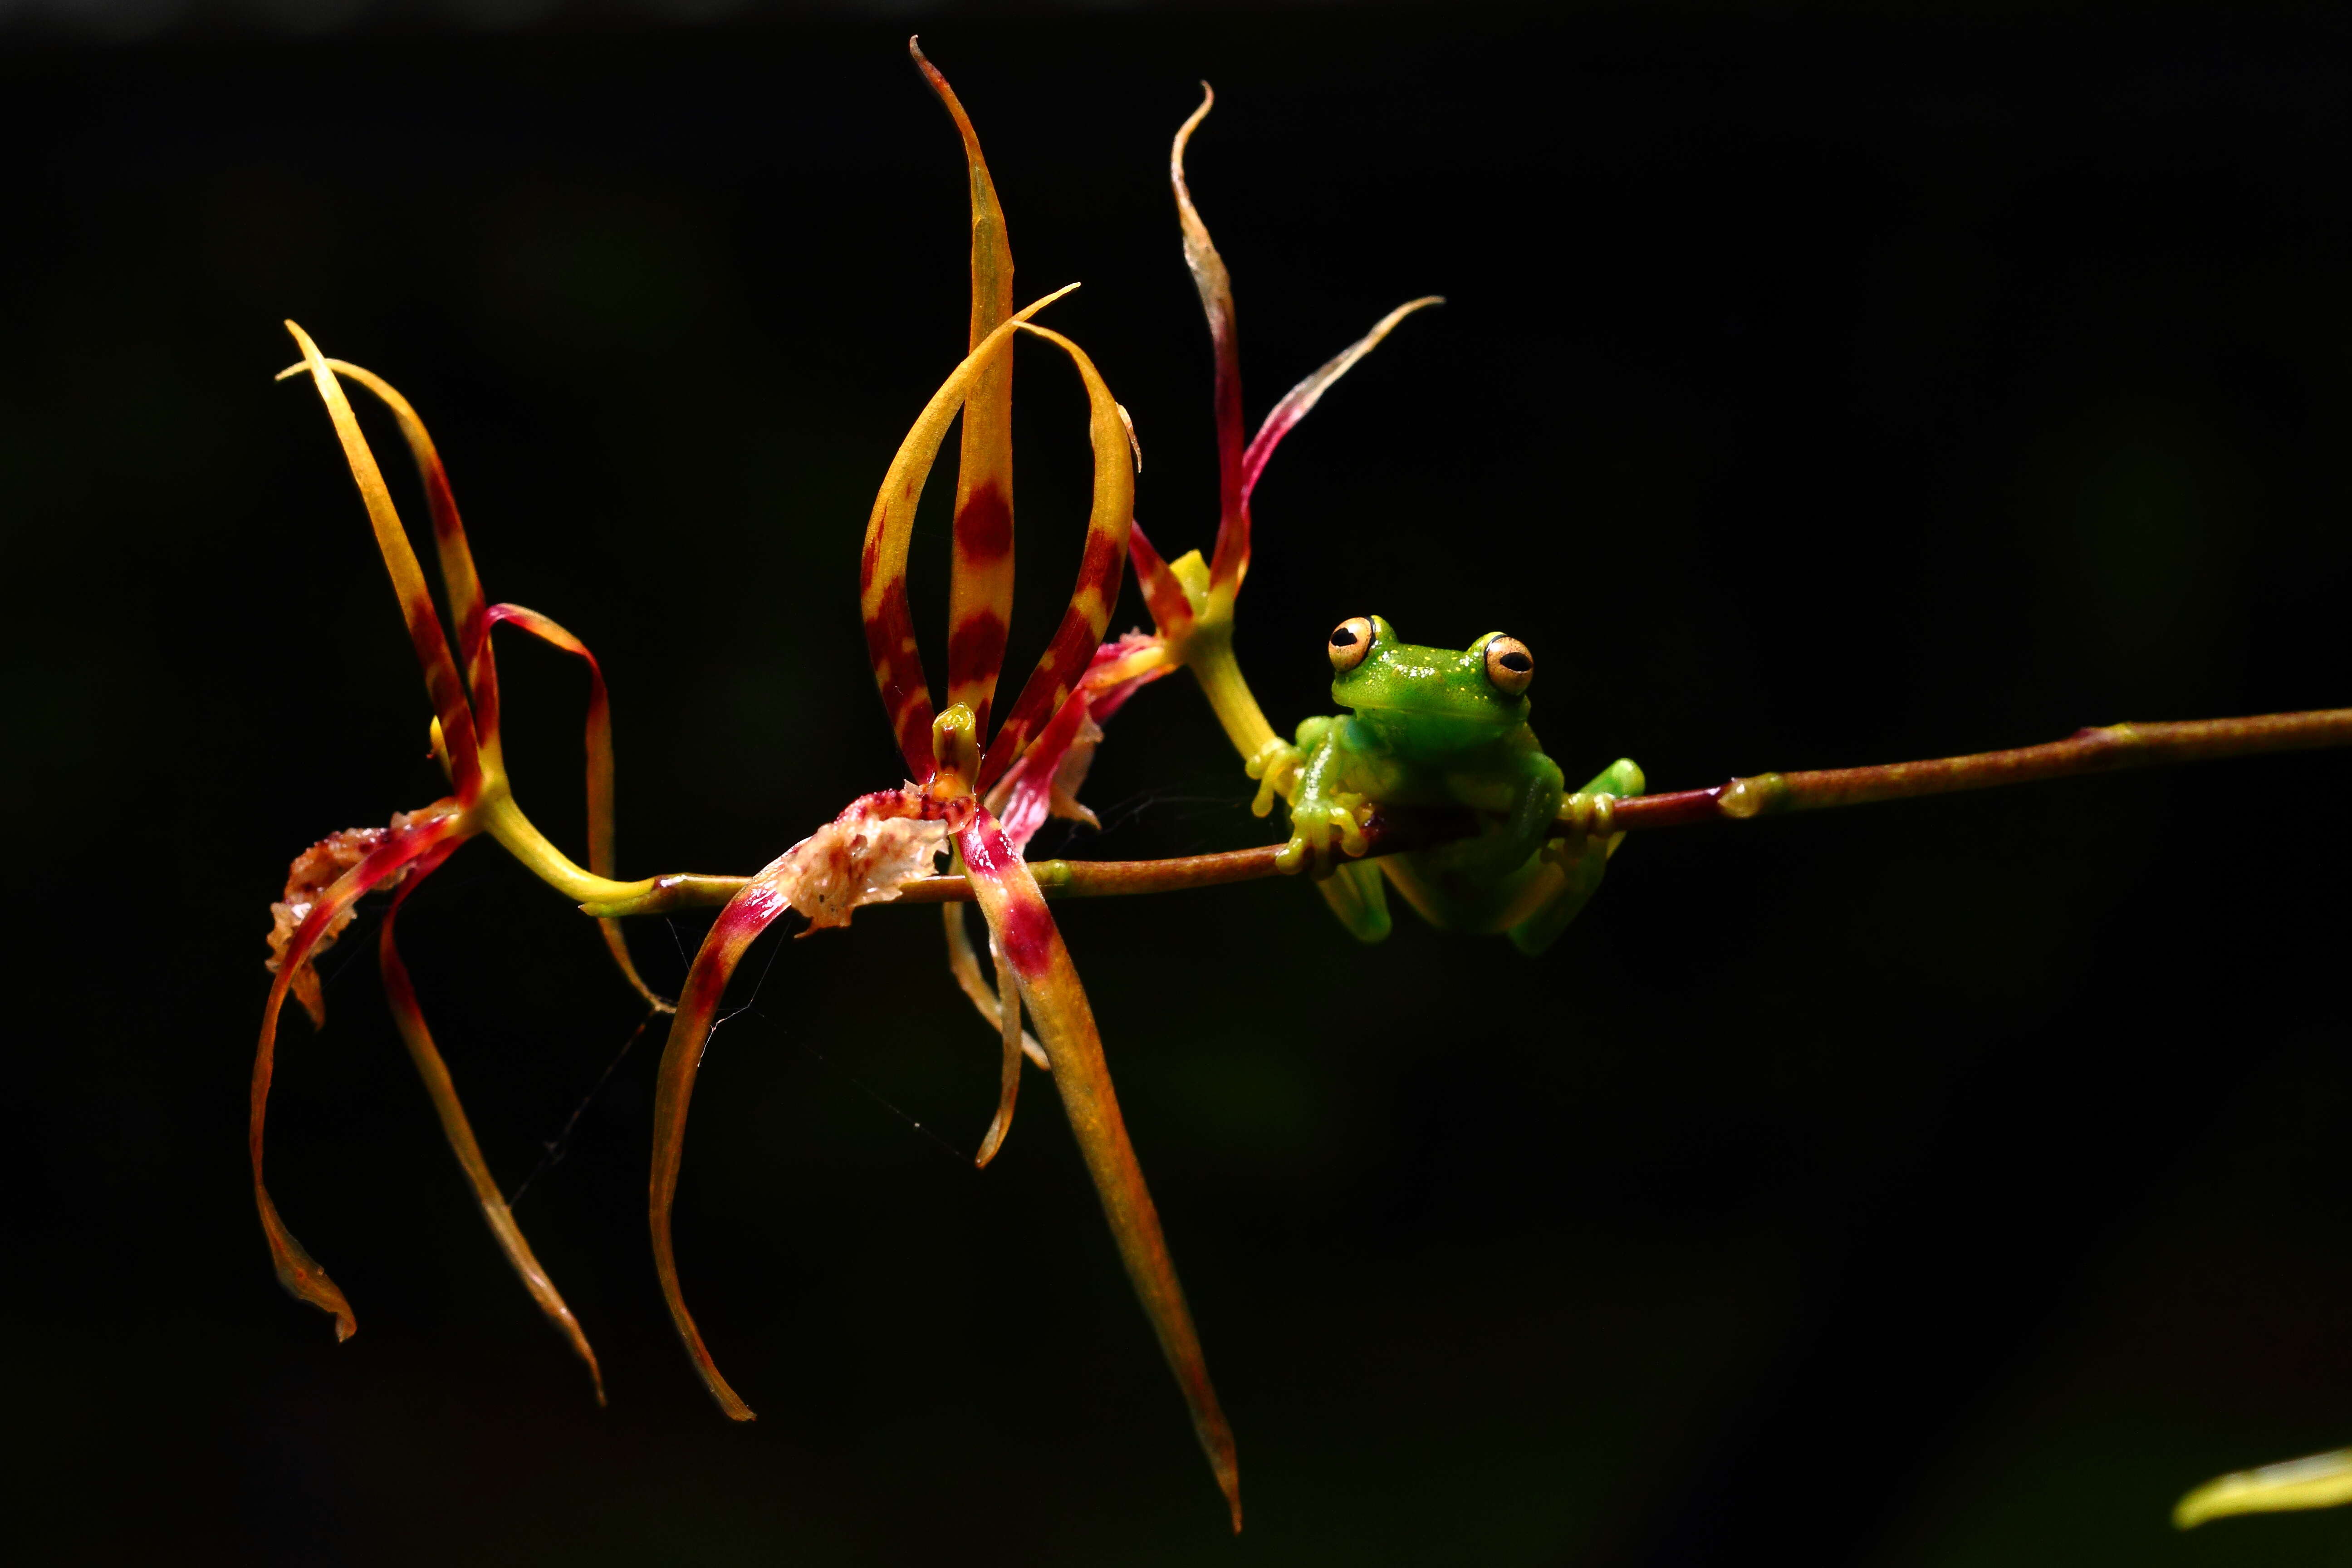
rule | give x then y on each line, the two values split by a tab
1443	694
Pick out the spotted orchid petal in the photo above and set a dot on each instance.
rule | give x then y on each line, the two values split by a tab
1103	563
405	844
980	591
860	857
1026	934
882	568
400	993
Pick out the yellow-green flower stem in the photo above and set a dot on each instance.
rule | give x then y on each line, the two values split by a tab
1208	651
494	812
503	820
1206	647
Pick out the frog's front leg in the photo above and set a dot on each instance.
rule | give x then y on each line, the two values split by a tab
1352	888
1323	806
1579	856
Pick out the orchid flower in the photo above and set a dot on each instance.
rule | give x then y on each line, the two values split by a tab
1192	601
953	761
327	880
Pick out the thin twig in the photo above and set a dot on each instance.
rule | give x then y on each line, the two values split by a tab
2095	751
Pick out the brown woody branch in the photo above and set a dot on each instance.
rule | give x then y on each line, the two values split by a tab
2099	750
2095	751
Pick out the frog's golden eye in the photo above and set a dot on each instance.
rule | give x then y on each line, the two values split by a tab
1352	639
1509	665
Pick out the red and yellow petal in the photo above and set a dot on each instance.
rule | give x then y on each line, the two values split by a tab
891	642
1300	399
980	589
1028	936
1100	568
402	847
425	632
1231	562
400	992
602	856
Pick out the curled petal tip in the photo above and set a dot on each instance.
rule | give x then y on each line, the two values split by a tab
2322	1481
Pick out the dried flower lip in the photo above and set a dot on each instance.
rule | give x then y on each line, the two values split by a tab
858	859
312	872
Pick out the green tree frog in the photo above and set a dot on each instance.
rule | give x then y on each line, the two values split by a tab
1440	728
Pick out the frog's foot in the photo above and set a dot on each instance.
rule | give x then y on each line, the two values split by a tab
1276	767
1312	825
1585	818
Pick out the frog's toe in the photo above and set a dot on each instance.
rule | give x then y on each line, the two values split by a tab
1584	817
1275	769
1313	826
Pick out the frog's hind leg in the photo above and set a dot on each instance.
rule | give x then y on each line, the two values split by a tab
1576	859
1353	891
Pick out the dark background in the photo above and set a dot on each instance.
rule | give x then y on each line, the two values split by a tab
1948	1183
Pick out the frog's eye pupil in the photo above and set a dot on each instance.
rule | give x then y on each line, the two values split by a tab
1352	639
1517	662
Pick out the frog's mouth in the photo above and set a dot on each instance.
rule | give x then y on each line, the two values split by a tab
1429	727
1502	716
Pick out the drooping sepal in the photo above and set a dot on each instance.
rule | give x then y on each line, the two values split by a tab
858	859
1032	944
402	847
400	992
